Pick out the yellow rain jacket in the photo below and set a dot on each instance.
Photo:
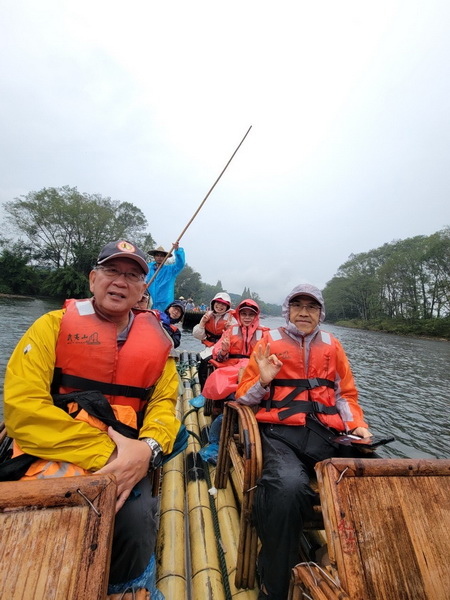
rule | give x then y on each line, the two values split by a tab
41	429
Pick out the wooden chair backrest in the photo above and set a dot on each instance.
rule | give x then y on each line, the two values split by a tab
55	538
388	526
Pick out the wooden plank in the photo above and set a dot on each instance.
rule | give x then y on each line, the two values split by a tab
389	537
310	578
389	467
55	538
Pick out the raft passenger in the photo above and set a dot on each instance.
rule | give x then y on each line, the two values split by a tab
211	326
91	346
230	357
301	378
170	318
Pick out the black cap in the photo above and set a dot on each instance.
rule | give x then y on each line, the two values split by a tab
123	249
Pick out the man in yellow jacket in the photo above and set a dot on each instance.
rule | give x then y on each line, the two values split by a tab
100	344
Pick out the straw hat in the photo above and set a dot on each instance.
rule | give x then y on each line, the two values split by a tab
159	250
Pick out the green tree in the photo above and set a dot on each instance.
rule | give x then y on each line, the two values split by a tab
66	283
66	228
189	285
407	281
16	277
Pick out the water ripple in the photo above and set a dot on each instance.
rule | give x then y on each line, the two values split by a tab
404	383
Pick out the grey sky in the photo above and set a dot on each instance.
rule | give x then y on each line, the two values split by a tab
145	102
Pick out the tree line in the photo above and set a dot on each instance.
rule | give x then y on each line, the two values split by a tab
58	234
403	286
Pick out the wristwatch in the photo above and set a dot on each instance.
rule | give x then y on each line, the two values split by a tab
157	453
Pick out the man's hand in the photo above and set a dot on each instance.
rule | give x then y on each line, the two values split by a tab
269	364
129	463
362	432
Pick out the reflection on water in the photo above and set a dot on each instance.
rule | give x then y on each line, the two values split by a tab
403	382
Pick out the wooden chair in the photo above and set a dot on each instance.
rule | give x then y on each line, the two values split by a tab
240	448
387	525
56	537
240	459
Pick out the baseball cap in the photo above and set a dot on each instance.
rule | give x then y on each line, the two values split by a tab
122	249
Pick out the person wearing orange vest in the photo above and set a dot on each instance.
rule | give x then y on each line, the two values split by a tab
231	353
230	357
300	377
210	328
107	368
215	320
238	341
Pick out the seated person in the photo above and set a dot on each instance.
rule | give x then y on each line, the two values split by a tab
129	363
238	341
231	353
172	315
230	357
143	302
168	319
211	326
301	378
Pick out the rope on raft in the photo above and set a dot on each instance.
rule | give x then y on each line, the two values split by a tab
190	382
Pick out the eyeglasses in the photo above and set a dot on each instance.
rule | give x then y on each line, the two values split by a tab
113	273
311	308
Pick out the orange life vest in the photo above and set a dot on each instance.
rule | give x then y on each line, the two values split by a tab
88	358
214	329
87	349
240	347
297	391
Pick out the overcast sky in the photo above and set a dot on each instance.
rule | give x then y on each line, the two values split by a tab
145	102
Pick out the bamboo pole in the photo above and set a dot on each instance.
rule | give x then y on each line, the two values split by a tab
175	244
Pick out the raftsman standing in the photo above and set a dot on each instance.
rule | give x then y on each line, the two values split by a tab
162	288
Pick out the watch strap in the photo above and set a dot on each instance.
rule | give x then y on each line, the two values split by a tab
157	453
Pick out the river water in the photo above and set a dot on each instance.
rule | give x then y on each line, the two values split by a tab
404	383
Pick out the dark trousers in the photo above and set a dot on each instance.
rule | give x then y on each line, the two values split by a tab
203	369
284	500
135	531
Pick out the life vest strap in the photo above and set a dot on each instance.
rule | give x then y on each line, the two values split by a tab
300	406
212	337
299	385
96	405
238	356
110	389
308	384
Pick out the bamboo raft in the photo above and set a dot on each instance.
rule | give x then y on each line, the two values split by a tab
387	524
192	318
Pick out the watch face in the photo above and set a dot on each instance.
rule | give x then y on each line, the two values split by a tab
157	459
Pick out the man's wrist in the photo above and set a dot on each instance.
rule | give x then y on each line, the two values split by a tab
263	383
157	453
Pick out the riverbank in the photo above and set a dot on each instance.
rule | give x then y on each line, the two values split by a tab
431	329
